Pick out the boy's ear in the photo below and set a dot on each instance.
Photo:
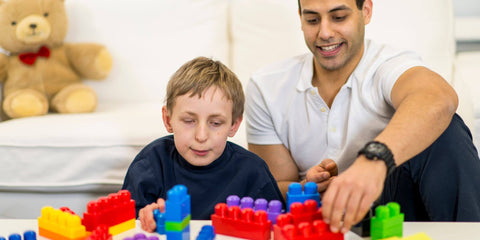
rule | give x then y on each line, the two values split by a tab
166	119
235	126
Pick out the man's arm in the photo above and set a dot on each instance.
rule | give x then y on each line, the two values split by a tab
425	104
280	162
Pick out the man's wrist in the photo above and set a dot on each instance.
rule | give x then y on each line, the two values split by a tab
375	150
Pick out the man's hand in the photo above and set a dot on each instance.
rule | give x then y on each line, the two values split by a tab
351	194
146	215
322	174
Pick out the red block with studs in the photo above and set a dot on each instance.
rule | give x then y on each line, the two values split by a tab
246	223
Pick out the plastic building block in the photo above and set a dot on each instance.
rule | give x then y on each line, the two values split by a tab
142	236
122	227
387	222
160	221
112	210
177	206
15	236
305	212
273	208
318	229
100	233
242	223
295	193
29	235
206	233
177	213
56	224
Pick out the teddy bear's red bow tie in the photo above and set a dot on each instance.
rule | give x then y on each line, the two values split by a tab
30	58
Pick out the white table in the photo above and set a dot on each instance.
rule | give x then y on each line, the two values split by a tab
436	230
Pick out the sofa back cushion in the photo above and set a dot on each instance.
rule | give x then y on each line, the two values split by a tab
148	41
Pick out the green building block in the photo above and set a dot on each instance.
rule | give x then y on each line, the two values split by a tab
387	222
177	226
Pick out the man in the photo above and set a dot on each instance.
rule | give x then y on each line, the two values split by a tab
372	113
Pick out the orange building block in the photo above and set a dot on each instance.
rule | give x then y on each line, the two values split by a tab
58	225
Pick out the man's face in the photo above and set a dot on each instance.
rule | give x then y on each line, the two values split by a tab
201	126
334	31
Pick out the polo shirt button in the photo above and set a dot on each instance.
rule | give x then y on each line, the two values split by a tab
312	92
323	109
333	129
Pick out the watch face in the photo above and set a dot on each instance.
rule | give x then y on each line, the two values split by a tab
375	148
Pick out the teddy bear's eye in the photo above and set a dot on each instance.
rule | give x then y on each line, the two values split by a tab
45	14
14	23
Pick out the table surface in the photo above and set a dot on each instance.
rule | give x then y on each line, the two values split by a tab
435	230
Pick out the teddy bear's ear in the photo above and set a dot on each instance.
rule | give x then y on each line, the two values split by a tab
1	2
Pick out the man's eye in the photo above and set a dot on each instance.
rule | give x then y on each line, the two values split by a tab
339	18
312	21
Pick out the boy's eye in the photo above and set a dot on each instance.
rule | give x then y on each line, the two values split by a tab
187	120
216	123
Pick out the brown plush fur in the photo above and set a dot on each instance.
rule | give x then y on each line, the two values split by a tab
52	83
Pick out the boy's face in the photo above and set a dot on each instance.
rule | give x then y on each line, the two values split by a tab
201	126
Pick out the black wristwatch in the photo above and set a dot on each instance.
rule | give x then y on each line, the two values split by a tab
378	151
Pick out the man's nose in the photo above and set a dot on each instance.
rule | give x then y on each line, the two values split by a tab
325	32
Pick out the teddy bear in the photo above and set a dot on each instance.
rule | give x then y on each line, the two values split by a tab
40	72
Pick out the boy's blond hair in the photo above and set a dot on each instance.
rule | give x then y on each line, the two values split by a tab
201	73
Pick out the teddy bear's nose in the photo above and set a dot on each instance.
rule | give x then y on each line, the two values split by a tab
33	25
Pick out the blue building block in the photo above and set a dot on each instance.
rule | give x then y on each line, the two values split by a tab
30	235
179	235
206	233
295	193
177	206
160	221
15	236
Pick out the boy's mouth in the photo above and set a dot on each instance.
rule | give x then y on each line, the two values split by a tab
200	152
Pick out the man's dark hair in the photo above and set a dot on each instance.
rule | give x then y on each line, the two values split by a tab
359	5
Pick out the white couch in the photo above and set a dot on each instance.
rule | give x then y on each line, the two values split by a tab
68	160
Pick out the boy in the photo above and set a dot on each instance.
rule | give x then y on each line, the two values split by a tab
204	106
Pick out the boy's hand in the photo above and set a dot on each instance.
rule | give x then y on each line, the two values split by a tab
322	174
146	215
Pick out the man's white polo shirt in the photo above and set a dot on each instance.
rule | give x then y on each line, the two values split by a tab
283	107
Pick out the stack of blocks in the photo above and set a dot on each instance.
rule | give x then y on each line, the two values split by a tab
295	193
242	223
27	235
387	222
303	222
56	224
273	208
117	212
175	222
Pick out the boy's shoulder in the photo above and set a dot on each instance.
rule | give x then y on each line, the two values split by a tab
242	153
163	144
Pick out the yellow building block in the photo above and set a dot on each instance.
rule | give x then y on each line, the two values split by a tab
122	227
61	223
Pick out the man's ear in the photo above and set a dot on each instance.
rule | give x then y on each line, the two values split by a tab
166	119
367	11
235	126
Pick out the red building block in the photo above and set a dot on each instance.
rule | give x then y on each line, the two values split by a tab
100	233
110	211
303	222
246	223
315	230
305	212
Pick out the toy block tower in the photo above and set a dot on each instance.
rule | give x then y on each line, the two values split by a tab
273	208
116	211
177	213
296	194
100	233
303	222
58	225
242	223
387	222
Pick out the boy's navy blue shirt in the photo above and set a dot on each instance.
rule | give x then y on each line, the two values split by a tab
159	167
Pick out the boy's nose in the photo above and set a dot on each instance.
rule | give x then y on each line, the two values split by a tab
201	133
